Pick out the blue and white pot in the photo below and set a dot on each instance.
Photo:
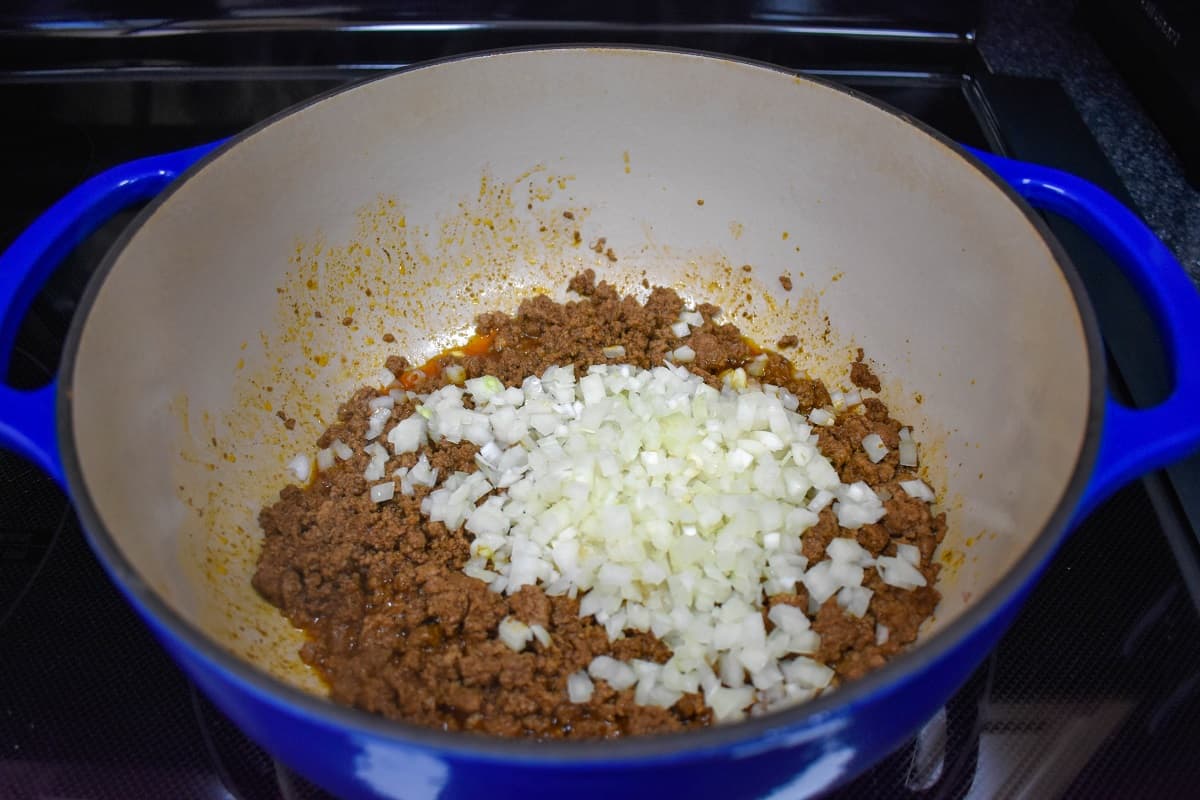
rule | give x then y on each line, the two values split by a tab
412	202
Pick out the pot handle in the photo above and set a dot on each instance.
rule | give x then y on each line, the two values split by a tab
1134	441
27	421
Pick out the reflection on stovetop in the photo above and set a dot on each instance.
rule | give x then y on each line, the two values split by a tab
1094	692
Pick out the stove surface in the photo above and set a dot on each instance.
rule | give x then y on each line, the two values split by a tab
1094	692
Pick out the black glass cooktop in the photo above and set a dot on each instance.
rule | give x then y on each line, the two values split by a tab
1095	692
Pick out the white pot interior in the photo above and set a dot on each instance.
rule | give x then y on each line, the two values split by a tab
431	190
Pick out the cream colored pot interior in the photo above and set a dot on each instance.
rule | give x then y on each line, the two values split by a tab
412	203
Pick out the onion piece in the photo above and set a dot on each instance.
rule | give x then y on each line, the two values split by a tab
325	458
383	492
579	687
918	489
680	330
899	573
910	553
684	355
819	416
514	633
874	447
377	421
300	467
908	453
614	351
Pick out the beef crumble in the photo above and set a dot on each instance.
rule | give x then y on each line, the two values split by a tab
397	629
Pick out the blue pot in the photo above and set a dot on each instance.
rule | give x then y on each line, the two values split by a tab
135	324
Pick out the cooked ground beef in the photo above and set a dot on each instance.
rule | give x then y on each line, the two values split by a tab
396	628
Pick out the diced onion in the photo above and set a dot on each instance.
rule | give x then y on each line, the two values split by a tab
910	553
918	489
662	504
684	355
908	453
325	458
541	634
300	467
881	634
819	416
383	492
614	351
874	447
680	330
514	633
455	373
579	687
407	435
899	573
342	450
855	600
617	674
377	421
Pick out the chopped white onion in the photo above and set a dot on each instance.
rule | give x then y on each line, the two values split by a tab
918	489
881	634
910	553
377	421
342	450
680	330
579	687
898	572
325	458
614	351
541	634
819	416
300	467
855	600
455	373
908	453
662	504
617	674
684	355
514	633
383	401
693	318
874	447
407	435
383	492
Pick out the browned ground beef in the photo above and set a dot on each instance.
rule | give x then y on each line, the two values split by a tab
396	628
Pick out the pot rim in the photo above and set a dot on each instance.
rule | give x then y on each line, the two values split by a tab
812	720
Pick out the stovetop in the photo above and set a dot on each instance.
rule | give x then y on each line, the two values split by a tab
1095	692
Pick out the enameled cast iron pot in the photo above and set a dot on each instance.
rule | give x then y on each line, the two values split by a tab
412	202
